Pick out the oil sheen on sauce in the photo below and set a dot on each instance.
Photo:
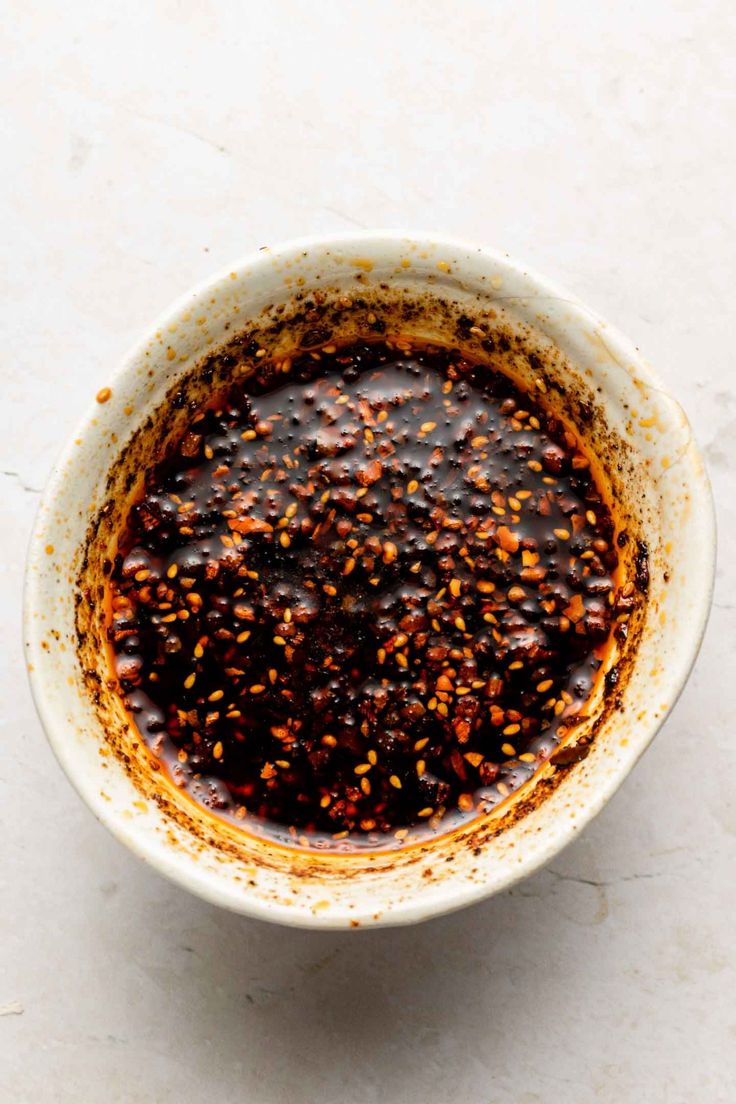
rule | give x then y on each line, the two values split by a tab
365	596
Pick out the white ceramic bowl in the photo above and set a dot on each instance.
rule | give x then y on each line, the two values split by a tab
589	369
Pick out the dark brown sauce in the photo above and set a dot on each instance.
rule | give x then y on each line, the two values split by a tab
364	601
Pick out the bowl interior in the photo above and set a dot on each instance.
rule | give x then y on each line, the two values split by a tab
342	287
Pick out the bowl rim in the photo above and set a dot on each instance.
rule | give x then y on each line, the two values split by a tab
173	864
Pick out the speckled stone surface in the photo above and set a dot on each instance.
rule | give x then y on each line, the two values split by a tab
146	147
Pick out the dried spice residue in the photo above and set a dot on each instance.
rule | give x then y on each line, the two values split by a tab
366	596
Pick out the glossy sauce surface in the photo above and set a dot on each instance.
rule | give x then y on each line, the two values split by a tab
365	597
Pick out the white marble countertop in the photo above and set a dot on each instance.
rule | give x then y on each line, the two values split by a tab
148	144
